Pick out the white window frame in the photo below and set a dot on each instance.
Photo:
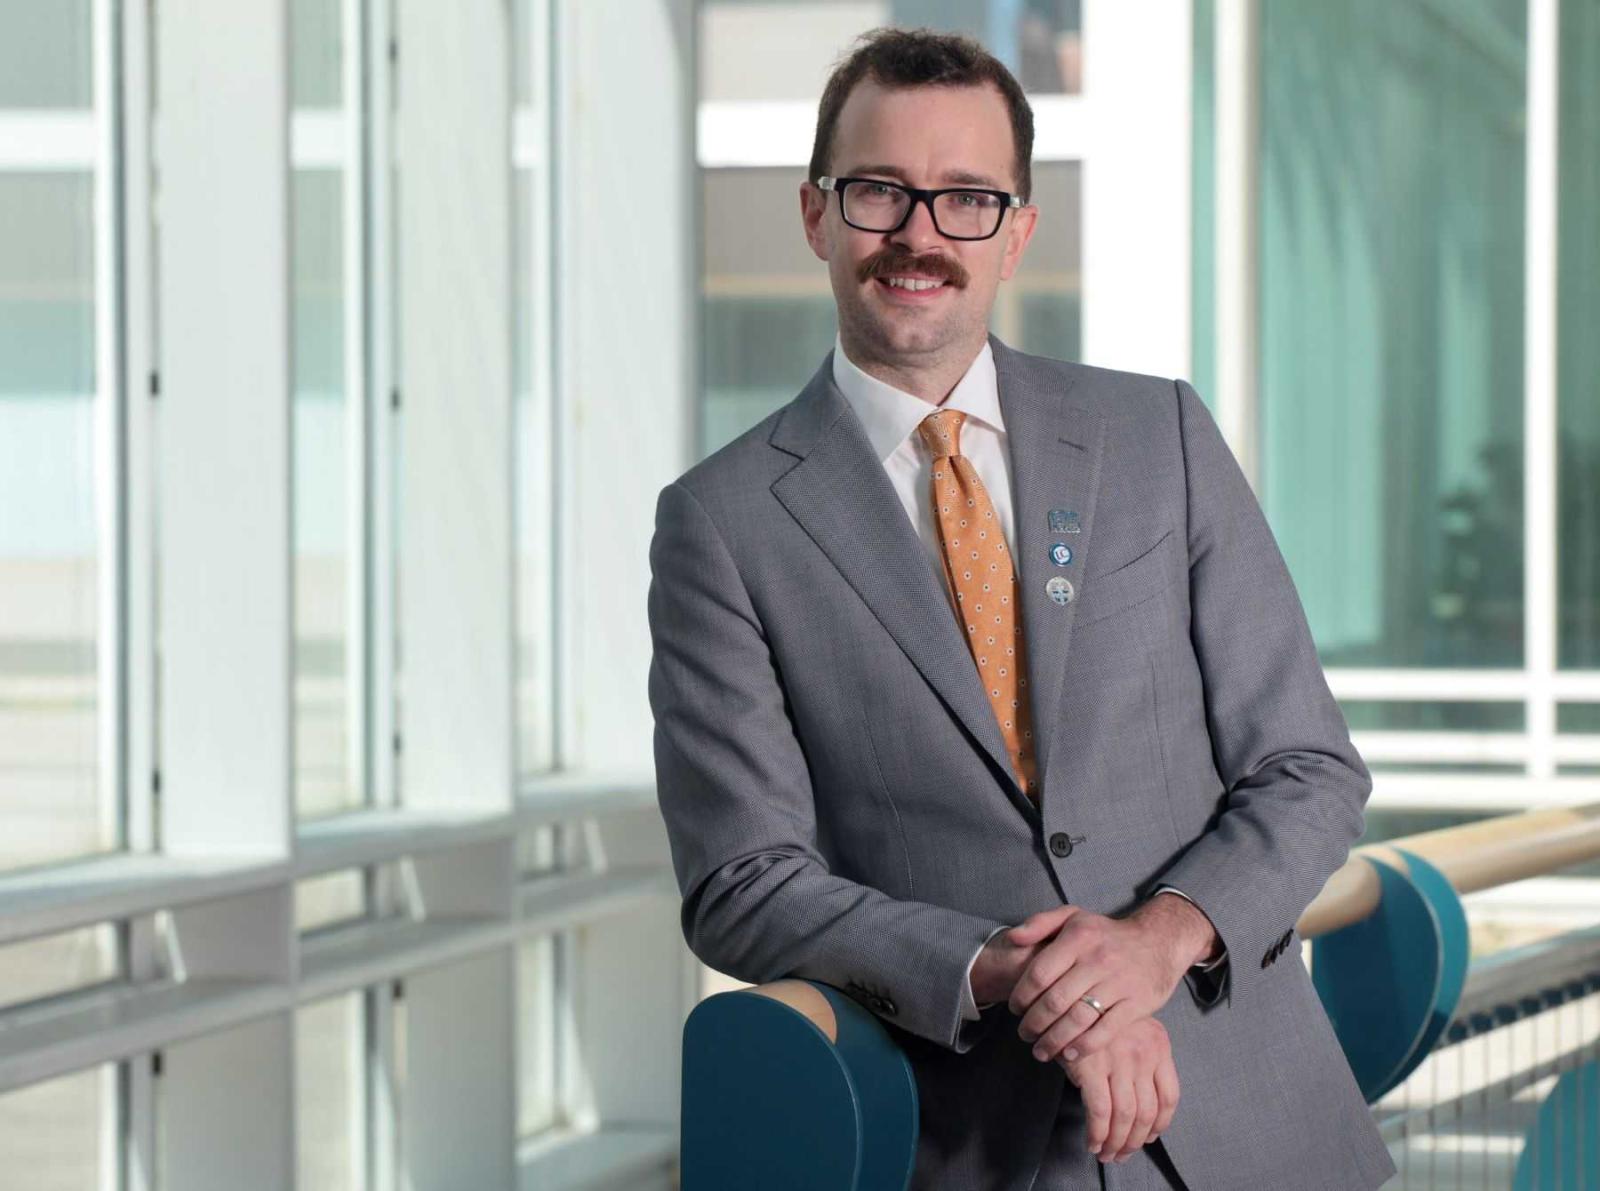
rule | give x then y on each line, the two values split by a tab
208	894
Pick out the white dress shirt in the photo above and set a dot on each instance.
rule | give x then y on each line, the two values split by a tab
890	417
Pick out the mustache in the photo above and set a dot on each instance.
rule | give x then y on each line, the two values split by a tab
888	263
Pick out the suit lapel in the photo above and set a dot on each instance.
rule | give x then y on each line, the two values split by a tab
1055	447
843	498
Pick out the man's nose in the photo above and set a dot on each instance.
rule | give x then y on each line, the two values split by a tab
918	230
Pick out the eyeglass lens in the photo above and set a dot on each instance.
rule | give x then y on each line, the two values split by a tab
875	207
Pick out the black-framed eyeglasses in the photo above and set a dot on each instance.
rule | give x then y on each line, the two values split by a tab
959	212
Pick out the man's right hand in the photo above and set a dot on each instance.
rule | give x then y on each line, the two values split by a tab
1129	1087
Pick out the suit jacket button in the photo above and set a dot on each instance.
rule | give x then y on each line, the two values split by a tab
886	1005
1061	843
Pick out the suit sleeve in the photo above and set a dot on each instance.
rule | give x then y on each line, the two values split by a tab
1296	786
734	786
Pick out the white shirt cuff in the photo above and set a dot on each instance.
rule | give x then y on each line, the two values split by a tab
969	1007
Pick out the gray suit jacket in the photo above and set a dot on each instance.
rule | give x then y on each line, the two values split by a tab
841	807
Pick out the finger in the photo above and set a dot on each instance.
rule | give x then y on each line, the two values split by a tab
1144	1092
1040	926
1061	996
1045	970
1124	1104
1060	1034
1096	1088
1167	1089
1098	1036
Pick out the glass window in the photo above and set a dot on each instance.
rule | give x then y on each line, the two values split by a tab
538	853
60	963
1579	719
330	1066
329	900
1578	348
316	67
532	428
329	728
53	1135
1396	715
46	54
1392	324
538	1106
57	795
758	50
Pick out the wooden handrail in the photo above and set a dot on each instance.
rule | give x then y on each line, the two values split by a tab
1471	856
805	1000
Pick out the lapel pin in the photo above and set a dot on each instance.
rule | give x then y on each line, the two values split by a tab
1064	521
1060	553
1060	590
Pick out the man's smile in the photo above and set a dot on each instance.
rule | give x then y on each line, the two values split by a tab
910	289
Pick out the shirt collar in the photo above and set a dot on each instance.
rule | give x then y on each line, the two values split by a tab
891	415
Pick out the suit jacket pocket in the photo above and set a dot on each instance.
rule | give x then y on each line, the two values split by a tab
1131	583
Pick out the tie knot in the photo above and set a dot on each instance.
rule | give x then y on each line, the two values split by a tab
941	430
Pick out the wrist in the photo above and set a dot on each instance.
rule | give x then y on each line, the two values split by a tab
1193	940
982	979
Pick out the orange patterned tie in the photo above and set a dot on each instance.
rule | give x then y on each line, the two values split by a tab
978	567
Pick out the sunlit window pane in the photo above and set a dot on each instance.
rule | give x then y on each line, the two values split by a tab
753	49
329	728
330	1094
532	425
1577	346
315	66
51	551
53	1135
1392	250
325	901
321	502
55	964
537	1104
46	54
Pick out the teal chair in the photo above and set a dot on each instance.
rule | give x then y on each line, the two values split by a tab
793	1086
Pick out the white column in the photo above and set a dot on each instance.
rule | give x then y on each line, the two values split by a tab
452	132
223	428
628	332
1136	183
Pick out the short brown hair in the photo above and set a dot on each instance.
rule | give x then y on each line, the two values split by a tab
923	57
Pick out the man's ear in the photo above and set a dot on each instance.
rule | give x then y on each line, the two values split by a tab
813	207
1017	237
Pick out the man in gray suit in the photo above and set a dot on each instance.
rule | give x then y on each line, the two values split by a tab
848	802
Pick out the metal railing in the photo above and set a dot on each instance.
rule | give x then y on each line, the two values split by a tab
1492	1079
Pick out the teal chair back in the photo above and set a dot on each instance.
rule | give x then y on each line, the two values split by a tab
793	1086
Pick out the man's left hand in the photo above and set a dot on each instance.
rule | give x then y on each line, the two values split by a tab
1130	965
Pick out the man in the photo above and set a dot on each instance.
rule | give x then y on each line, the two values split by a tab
963	639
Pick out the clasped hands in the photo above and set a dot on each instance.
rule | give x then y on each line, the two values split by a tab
1120	1059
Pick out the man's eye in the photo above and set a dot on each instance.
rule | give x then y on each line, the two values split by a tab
878	188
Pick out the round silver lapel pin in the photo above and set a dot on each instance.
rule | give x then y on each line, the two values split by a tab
1060	590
